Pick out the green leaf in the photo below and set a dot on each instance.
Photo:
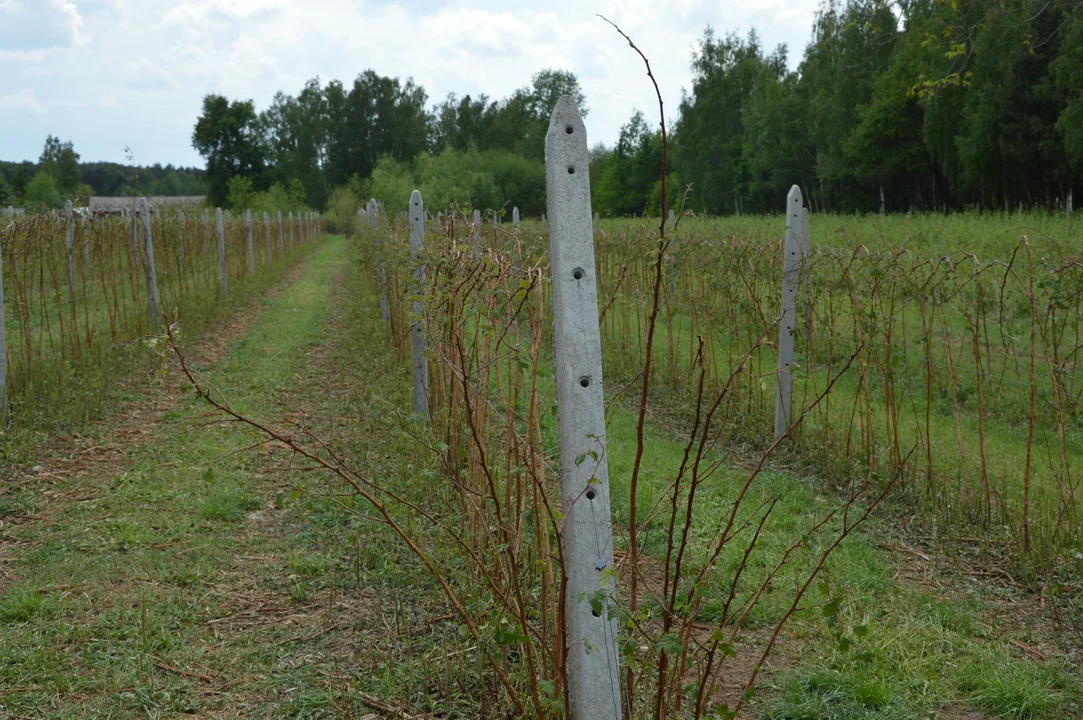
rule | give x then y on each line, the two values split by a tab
670	643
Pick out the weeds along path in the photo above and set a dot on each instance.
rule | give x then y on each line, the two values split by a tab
152	574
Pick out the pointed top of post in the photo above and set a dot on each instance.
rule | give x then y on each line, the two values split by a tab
794	200
67	207
143	205
417	208
218	213
566	124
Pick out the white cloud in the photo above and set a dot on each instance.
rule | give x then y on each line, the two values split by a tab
28	25
133	72
23	101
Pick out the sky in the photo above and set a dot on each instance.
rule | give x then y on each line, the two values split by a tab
124	79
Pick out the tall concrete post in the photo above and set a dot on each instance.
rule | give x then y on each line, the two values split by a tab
281	236
86	246
515	218
69	244
291	229
475	235
421	363
791	268
3	345
267	233
672	220
595	224
1068	202
381	273
148	253
805	273
222	276
133	233
251	250
592	659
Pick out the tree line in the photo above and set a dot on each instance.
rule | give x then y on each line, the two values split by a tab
923	105
378	137
59	176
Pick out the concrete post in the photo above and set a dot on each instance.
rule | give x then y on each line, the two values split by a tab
791	264
86	245
672	220
222	277
595	224
1068	202
267	232
291	229
3	344
134	234
251	250
421	364
881	199
381	273
515	218
592	660
148	252
69	242
805	274
281	236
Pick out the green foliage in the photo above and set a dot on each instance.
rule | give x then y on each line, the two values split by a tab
1069	80
920	103
240	193
631	170
516	124
489	181
61	162
343	205
391	182
227	135
42	194
279	198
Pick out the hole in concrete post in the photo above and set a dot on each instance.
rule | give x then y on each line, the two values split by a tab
577	273
571	170
584	381
591	494
595	612
569	129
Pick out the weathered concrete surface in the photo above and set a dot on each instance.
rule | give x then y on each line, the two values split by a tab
791	264
421	363
223	279
152	273
593	662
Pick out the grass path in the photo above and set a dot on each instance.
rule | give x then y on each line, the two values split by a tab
157	569
148	573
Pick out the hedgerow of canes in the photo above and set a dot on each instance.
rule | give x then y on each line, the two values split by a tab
76	299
